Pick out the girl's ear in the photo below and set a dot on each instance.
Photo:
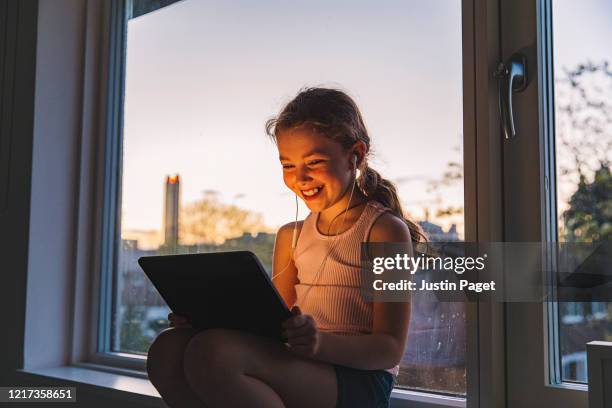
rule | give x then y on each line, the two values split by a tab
359	151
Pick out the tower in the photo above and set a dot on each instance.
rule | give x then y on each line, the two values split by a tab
171	210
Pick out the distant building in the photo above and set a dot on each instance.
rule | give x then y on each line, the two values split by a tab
171	210
435	233
143	239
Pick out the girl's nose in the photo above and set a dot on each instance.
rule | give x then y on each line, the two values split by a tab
302	174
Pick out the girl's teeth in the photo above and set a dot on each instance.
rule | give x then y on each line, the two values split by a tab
311	192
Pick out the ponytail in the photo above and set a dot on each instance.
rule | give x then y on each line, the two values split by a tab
384	191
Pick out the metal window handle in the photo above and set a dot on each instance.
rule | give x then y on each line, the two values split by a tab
511	77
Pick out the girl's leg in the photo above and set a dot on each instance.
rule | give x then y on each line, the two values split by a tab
226	368
165	368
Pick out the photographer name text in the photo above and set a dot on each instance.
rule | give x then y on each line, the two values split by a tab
445	285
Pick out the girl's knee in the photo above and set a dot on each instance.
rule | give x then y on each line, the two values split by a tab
166	352
172	339
209	348
213	353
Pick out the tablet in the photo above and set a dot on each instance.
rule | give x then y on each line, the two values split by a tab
230	290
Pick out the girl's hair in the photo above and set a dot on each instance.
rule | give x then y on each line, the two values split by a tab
333	113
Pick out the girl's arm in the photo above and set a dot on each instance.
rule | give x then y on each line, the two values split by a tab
284	273
383	348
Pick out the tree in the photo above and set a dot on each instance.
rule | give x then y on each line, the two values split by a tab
452	177
209	220
583	135
583	100
584	181
589	216
132	340
448	185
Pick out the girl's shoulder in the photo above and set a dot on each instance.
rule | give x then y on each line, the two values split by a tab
388	227
287	229
284	241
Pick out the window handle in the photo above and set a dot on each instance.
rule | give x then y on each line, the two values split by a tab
512	77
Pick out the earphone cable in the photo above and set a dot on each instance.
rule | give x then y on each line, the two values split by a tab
293	240
331	246
333	240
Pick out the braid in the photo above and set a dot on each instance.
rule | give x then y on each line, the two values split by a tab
375	187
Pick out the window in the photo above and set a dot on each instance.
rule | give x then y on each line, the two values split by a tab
560	158
197	173
583	134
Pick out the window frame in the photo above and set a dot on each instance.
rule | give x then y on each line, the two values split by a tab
536	380
104	258
484	195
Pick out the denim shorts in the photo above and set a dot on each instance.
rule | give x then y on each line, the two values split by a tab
363	388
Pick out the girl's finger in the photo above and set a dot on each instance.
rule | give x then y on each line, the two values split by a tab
295	322
306	330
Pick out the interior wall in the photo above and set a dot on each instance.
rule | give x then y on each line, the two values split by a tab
18	35
56	142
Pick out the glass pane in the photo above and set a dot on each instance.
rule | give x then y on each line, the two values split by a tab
199	174
583	110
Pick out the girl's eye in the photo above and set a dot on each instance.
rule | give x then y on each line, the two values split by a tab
309	163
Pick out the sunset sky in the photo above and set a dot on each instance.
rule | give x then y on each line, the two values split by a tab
202	78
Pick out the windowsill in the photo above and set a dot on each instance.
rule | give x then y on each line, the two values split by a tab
401	397
133	386
125	386
570	386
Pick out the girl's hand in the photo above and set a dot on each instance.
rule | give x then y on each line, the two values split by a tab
180	322
302	334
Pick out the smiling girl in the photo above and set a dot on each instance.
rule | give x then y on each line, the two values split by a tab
340	350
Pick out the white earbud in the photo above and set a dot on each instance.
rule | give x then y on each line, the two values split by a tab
357	171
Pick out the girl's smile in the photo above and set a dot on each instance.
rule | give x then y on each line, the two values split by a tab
312	194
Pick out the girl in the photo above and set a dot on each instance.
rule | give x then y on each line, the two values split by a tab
340	350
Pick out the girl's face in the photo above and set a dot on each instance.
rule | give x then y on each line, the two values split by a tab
315	168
